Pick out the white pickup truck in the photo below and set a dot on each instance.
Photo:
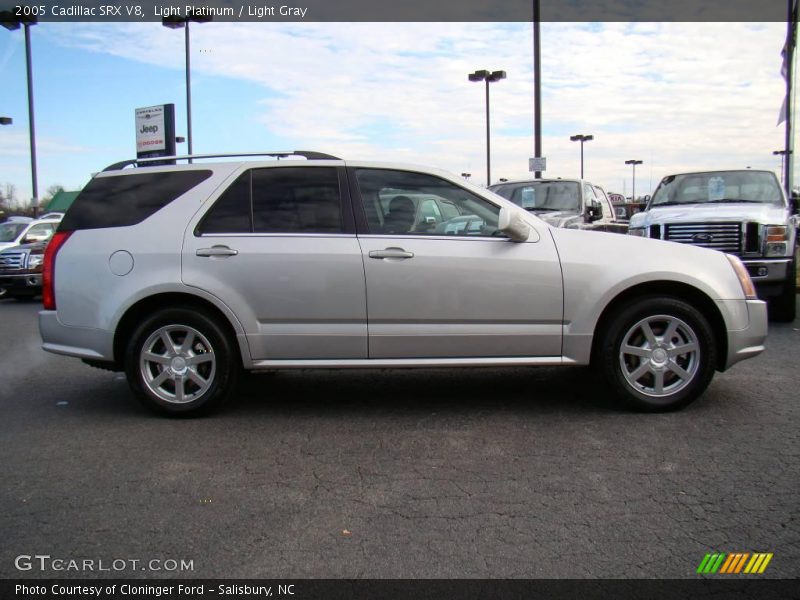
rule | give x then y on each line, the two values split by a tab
745	213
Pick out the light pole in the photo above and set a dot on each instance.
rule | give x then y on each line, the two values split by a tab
782	154
633	162
581	138
488	77
466	176
175	22
12	22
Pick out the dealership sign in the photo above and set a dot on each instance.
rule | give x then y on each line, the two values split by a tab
155	131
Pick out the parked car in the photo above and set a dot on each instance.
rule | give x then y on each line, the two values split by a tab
21	270
16	232
568	203
744	213
184	275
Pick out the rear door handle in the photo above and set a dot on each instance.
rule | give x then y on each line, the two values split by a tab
391	253
217	251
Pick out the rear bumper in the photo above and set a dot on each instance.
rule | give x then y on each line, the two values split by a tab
748	341
81	342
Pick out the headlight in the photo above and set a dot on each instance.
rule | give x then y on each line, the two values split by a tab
35	260
776	237
744	277
639	231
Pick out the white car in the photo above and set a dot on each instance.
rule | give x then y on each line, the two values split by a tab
16	232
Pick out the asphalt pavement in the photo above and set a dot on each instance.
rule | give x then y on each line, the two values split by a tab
500	473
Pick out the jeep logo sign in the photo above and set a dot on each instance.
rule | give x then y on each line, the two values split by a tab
150	129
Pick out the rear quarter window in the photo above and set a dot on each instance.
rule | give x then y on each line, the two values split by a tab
124	200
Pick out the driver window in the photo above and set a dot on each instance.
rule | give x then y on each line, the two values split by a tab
407	203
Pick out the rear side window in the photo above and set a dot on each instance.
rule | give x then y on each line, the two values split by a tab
278	200
125	200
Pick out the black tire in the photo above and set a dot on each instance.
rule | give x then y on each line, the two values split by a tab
783	308
683	377
218	372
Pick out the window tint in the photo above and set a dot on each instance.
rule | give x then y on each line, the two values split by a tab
123	200
231	211
278	200
396	203
296	200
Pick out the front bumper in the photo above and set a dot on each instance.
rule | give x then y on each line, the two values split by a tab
95	344
768	272
748	341
28	282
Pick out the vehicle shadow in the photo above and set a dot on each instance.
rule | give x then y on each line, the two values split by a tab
409	391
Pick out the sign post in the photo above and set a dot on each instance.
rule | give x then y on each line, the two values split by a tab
155	133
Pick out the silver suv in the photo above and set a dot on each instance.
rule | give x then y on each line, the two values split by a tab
182	276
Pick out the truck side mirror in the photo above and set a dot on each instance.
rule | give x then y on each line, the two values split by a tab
593	211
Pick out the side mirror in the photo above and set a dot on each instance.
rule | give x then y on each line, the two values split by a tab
593	211
511	223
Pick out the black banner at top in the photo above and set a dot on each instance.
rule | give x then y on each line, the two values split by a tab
267	11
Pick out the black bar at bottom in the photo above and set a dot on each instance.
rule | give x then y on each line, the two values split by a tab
730	588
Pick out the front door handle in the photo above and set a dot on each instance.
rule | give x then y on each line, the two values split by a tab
390	253
217	251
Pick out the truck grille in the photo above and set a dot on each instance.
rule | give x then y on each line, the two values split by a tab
12	260
726	237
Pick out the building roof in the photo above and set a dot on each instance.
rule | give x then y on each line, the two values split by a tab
62	201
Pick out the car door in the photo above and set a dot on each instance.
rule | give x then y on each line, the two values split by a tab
458	290
278	246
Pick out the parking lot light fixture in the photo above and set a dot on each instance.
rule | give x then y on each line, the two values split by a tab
6	120
581	138
782	154
175	22
488	77
633	162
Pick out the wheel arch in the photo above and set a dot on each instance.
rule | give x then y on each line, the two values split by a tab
134	314
672	289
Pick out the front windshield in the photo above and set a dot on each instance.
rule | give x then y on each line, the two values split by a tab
719	187
543	195
10	231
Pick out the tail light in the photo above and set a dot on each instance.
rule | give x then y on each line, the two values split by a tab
49	268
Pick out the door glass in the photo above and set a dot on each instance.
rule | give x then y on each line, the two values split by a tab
400	203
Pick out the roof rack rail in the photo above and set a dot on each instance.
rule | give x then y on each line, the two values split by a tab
307	154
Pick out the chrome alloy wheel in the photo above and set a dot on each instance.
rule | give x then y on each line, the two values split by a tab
177	364
659	355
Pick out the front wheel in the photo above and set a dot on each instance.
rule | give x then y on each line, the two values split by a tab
181	362
658	353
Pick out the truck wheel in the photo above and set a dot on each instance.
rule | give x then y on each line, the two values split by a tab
181	362
783	308
658	353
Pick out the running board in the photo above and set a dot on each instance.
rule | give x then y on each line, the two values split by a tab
412	363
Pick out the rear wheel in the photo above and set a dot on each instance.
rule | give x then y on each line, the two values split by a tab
658	353
783	308
181	362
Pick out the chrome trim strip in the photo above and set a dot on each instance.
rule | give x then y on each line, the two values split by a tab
379	363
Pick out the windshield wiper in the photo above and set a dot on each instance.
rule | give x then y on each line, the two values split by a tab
722	200
542	208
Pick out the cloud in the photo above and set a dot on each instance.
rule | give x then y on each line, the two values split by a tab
677	95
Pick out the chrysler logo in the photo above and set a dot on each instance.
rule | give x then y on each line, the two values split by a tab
702	237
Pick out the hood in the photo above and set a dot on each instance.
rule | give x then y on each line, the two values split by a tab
561	218
33	247
766	214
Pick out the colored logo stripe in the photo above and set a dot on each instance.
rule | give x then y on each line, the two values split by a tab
734	563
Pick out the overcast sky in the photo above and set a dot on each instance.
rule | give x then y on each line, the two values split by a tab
679	96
